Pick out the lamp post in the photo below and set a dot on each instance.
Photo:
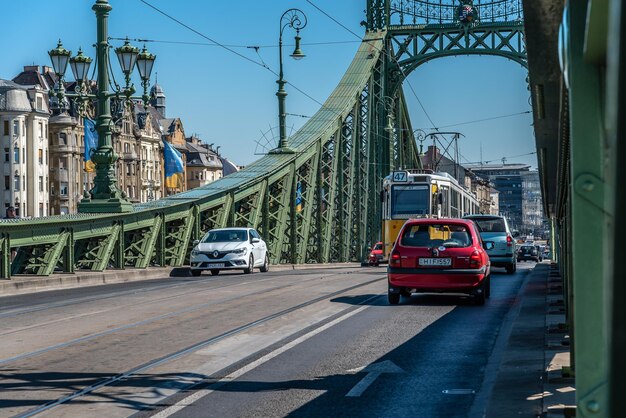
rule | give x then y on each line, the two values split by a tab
105	195
295	19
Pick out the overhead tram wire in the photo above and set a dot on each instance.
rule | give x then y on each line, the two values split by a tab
162	41
394	58
240	55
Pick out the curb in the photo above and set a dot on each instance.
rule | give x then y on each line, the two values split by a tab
30	284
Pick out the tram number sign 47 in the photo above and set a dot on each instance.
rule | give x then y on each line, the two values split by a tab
400	176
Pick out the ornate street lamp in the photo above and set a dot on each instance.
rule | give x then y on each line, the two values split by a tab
295	19
105	195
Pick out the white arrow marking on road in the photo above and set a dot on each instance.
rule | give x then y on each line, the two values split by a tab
373	371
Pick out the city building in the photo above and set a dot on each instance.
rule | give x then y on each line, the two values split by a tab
24	116
203	163
520	196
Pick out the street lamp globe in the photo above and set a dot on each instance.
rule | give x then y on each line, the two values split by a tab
59	57
145	61
80	66
297	52
127	55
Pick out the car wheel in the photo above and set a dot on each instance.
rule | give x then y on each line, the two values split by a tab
510	268
196	273
215	272
266	265
479	297
394	298
250	267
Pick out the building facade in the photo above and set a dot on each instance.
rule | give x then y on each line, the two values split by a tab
203	163
24	118
520	196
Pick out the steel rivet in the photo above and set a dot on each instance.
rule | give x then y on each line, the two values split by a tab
593	406
588	186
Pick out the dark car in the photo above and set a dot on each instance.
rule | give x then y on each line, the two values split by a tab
439	256
528	253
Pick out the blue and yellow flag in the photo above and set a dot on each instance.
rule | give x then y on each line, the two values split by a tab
91	143
174	168
299	197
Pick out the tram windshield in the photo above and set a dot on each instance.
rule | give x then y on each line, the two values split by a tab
410	200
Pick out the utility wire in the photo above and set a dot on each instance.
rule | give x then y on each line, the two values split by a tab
237	53
229	45
485	119
204	36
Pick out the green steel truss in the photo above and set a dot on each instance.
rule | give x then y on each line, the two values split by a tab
317	205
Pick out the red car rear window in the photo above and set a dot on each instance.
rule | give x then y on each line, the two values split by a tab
435	235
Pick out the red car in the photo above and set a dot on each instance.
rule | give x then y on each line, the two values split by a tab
376	255
439	256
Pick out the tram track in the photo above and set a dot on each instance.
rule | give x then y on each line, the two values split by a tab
159	361
159	317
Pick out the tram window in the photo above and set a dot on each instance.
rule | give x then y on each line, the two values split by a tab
409	200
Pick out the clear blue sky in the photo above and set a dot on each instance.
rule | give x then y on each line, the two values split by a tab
231	102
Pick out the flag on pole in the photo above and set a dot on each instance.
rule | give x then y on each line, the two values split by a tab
174	167
299	197
91	143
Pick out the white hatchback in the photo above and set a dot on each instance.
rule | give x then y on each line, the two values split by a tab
229	249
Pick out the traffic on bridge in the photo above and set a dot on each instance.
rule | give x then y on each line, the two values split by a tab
337	265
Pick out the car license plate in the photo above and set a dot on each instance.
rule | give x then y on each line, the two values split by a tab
435	261
215	265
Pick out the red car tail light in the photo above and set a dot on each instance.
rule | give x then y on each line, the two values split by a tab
475	259
394	260
509	241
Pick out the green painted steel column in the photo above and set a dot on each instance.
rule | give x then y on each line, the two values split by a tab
588	231
105	196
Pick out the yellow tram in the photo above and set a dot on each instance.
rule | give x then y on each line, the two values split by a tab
421	194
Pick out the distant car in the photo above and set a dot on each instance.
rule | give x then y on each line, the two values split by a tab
438	256
495	229
376	255
229	249
528	253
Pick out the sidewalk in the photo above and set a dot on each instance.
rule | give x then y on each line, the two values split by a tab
21	284
531	378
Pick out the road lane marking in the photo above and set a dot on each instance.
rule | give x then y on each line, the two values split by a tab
373	372
189	400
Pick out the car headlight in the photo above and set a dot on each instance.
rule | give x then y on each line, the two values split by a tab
240	251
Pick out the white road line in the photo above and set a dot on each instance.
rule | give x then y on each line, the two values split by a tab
189	400
360	387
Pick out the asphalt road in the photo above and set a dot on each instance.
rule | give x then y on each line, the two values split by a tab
301	343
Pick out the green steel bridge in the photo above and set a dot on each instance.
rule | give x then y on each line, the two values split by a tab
575	53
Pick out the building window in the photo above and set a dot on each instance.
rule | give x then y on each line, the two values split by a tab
128	169
63	190
16	155
6	155
41	183
62	139
7	182
41	209
64	210
6	127
16	128
40	155
16	182
40	130
39	103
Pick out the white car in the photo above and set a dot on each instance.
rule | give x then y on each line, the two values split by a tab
229	249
